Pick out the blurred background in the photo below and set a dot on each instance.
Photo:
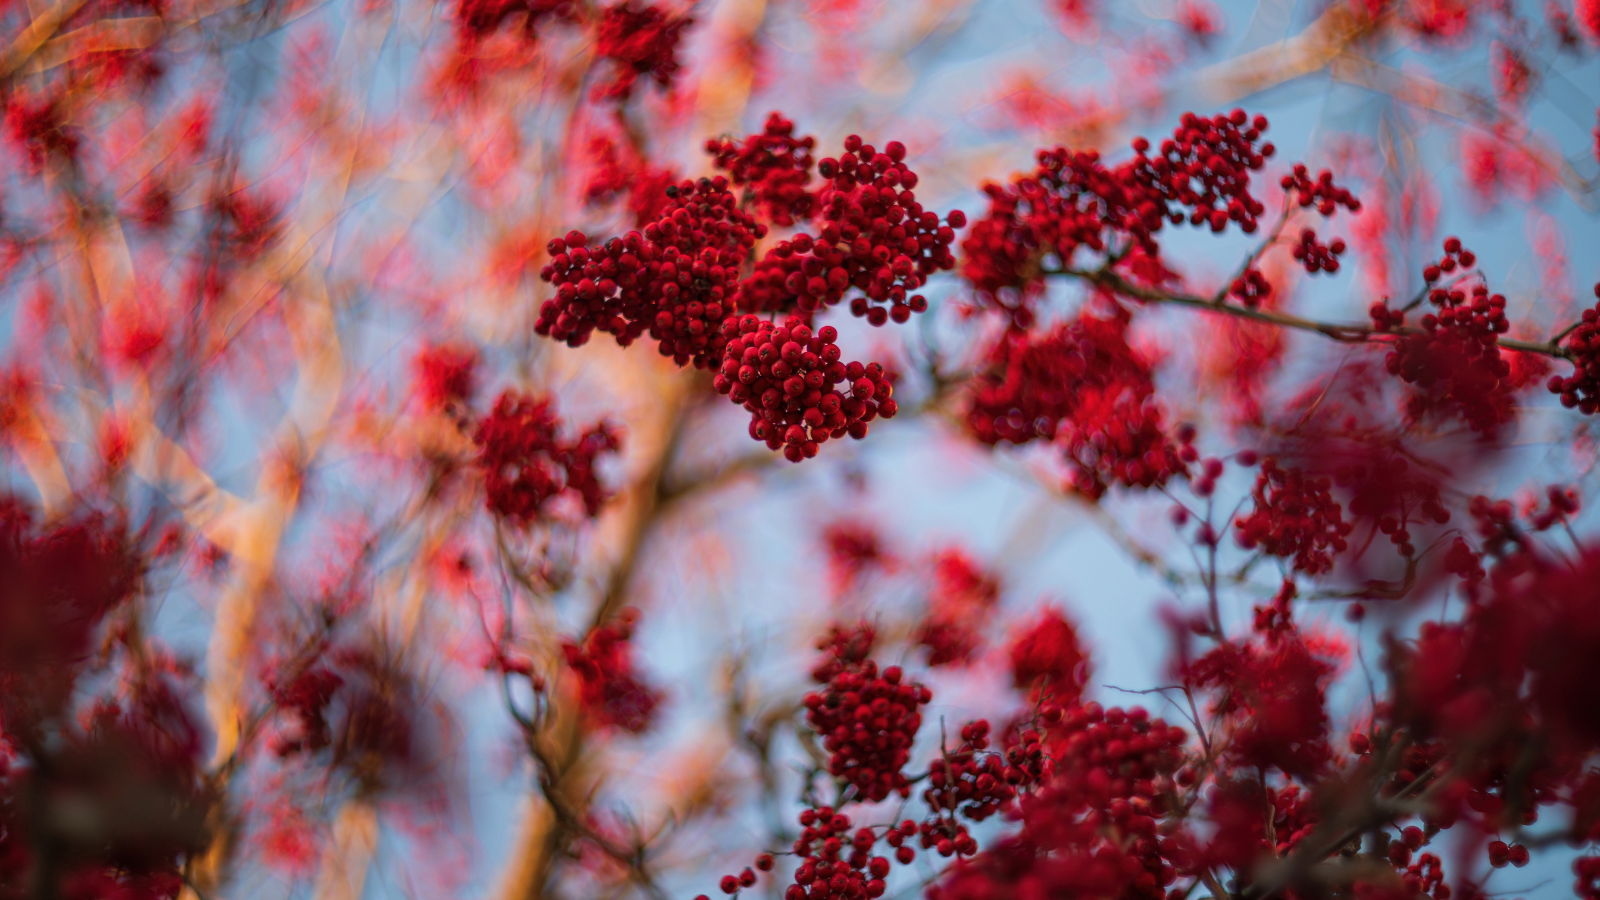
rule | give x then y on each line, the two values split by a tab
271	211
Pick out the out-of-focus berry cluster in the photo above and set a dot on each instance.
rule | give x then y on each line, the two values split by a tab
526	462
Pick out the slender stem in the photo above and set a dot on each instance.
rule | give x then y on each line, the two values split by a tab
1221	296
1355	333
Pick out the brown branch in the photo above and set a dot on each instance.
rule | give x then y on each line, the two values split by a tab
34	36
561	750
1350	333
1317	849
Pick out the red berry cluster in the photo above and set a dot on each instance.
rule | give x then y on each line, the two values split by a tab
867	719
1068	202
1073	198
1251	288
1122	442
1384	488
1419	758
640	40
1200	175
1455	361
1581	389
1455	256
1501	855
683	280
1384	318
1322	193
962	598
977	785
1295	515
835	863
609	690
1205	167
1276	618
526	463
307	696
1085	387
1563	502
853	550
477	20
39	127
786	376
379	729
949	640
1483	317
1587	868
446	376
1033	384
1294	817
1092	830
61	579
1464	563
619	172
874	237
674	280
1497	525
1116	753
1236	810
1316	256
774	167
732	883
1423	878
1048	660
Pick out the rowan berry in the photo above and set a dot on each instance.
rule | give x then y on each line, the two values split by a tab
1276	686
1205	167
867	719
975	783
835	863
1295	516
774	167
610	690
797	391
1048	660
1316	256
639	40
1581	389
1384	318
1084	387
478	20
1455	360
446	377
526	463
1322	193
1073	200
873	238
1251	288
961	597
675	280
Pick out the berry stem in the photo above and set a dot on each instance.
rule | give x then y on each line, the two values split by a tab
1351	333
